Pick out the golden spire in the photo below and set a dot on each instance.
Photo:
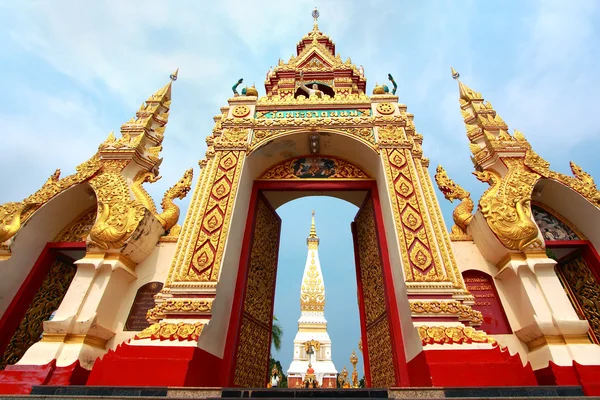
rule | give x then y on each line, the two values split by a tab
174	75
313	230
466	93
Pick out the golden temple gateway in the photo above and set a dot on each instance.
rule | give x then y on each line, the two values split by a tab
100	286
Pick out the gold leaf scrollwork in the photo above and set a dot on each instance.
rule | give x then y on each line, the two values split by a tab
179	307
46	301
181	331
506	205
447	308
116	222
10	219
452	335
582	182
462	214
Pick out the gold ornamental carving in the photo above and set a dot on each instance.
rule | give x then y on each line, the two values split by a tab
583	290
420	263
392	135
385	108
252	353
79	228
170	215
506	205
14	214
581	181
182	331
46	301
179	307
312	167
240	111
376	316
10	219
118	214
452	335
312	291
364	133
447	308
215	208
462	214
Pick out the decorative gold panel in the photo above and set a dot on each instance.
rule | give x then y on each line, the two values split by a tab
254	345
79	228
46	301
216	213
420	262
379	341
584	292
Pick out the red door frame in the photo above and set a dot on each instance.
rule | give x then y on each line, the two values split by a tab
22	300
370	186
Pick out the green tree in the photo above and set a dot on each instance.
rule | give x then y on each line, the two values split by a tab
276	334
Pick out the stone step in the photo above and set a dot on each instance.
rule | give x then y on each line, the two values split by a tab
63	397
172	393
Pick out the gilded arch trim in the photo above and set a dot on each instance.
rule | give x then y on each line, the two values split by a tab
363	134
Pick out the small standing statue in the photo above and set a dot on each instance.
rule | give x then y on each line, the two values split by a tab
234	88
311	92
354	361
391	78
361	71
344	374
275	377
270	72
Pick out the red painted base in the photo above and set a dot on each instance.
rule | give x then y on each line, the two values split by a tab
157	366
467	368
19	379
587	376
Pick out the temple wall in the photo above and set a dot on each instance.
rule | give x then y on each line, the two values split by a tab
214	336
154	268
469	257
43	227
412	342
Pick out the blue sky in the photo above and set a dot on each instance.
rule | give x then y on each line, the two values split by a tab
71	71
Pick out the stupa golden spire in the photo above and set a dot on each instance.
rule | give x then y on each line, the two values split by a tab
312	236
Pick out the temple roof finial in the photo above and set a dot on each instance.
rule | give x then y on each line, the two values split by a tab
313	229
315	15
174	75
455	75
466	93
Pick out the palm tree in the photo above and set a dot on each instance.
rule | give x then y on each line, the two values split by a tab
276	334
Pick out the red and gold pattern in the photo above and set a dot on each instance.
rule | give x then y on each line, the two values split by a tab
342	170
379	341
253	347
420	263
452	335
207	253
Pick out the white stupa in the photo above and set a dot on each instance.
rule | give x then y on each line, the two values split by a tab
312	344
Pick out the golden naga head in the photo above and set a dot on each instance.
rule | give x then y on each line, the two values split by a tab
184	185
